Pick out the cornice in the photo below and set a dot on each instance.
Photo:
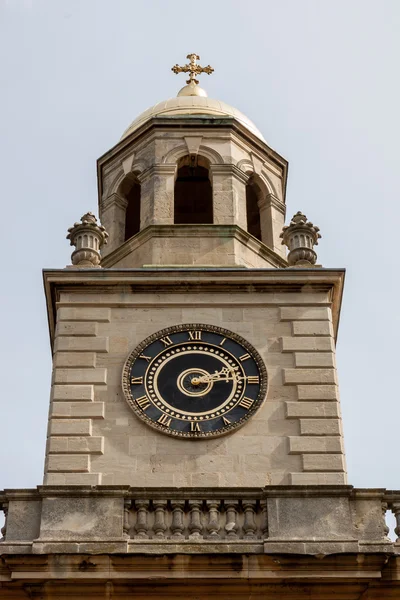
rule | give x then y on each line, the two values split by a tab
209	231
196	280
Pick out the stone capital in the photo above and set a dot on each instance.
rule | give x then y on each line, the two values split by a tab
165	169
114	200
271	201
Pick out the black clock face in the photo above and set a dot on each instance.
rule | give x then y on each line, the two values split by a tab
194	381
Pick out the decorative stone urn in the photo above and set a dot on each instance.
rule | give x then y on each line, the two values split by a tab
87	237
300	236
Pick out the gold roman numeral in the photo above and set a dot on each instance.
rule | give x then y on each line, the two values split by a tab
194	335
246	402
137	380
148	358
222	342
244	357
194	426
166	340
164	420
253	379
143	402
226	421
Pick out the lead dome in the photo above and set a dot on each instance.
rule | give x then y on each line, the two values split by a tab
192	106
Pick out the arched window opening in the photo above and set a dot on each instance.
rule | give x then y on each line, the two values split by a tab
193	192
252	209
130	190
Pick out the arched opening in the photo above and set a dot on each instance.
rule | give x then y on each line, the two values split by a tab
193	192
130	190
253	194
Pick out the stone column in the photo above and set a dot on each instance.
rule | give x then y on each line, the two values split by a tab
113	216
272	219
157	195
229	195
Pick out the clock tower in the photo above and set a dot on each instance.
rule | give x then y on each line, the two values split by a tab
194	353
194	438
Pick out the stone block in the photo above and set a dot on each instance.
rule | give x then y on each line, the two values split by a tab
316	376
98	376
314	359
76	328
81	344
368	521
312	328
310	518
312	410
318	478
76	445
80	410
68	462
320	427
315	444
305	313
307	344
80	518
82	478
23	520
70	427
318	392
84	313
79	393
74	359
323	462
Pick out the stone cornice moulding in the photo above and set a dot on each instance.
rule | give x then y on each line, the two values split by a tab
198	279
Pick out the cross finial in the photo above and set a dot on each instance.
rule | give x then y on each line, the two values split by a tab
192	68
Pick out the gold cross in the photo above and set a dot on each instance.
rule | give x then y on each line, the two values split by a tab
192	68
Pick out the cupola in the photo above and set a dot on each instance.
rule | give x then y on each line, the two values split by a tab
192	182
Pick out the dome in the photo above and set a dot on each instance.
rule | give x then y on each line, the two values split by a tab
192	105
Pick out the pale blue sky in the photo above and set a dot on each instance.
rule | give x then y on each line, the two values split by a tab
320	78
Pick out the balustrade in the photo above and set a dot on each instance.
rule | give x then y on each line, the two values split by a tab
197	519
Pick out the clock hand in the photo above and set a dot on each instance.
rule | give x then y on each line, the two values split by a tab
222	375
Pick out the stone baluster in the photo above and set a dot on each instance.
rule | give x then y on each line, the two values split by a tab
159	521
141	528
3	530
177	525
385	527
127	507
231	526
195	526
264	519
396	511
249	525
213	526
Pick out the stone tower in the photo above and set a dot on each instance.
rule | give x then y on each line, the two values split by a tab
193	200
194	410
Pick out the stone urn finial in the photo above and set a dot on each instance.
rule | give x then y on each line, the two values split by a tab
300	236
87	237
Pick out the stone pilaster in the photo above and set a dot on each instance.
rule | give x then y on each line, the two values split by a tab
113	213
229	195
157	195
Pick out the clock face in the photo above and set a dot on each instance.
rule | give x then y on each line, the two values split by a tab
194	381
